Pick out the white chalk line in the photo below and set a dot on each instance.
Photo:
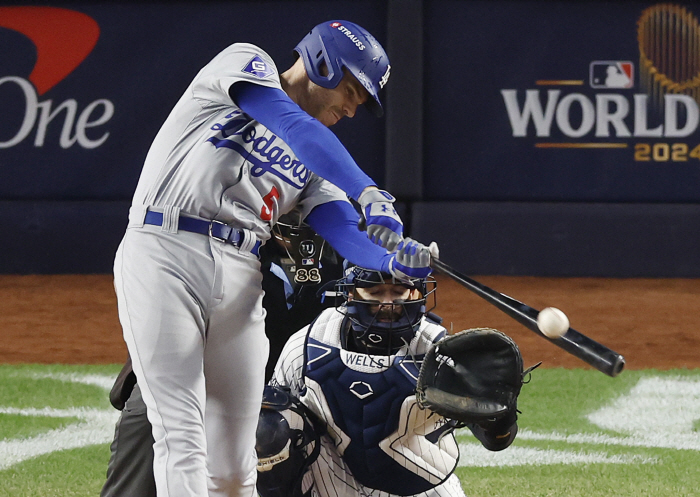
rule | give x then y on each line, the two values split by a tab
475	456
651	395
94	426
651	440
656	413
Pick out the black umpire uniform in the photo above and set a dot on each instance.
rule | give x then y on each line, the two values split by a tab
297	266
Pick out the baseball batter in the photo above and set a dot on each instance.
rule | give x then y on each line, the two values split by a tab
243	145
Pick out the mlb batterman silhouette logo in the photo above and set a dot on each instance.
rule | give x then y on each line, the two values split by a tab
612	74
63	38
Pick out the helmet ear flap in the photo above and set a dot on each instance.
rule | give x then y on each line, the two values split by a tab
314	50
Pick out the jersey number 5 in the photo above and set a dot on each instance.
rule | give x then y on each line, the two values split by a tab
269	200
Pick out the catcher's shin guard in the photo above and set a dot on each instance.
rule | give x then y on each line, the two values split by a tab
287	443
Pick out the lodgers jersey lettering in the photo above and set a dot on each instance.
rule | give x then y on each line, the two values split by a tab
213	161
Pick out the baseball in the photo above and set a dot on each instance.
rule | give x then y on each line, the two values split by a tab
552	322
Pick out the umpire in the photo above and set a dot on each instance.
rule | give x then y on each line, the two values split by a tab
295	269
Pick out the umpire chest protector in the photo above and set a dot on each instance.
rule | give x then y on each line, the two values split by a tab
365	395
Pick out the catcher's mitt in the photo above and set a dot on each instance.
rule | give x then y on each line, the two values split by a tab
473	376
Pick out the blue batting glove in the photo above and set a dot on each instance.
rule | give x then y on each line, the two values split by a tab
384	226
411	261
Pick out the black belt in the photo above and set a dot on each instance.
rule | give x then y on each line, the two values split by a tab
215	229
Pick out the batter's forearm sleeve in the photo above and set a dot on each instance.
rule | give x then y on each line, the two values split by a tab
313	143
336	222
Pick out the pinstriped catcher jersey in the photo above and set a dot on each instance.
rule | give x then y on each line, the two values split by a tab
213	161
369	405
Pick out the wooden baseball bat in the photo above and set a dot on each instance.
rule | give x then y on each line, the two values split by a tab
588	350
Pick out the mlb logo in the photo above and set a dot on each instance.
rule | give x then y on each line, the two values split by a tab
308	262
612	74
258	68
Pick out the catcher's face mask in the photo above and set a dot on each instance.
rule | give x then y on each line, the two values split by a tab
384	314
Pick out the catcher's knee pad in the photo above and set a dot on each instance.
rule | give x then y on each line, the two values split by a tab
287	442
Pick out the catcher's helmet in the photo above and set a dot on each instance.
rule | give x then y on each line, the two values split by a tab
339	44
287	442
382	336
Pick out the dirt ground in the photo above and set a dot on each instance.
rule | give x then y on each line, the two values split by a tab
72	319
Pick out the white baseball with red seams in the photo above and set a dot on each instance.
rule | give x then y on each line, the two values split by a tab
552	322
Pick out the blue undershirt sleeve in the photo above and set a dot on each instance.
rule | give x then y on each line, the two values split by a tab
336	222
313	143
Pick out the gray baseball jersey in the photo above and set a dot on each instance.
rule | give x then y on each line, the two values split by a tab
191	306
212	161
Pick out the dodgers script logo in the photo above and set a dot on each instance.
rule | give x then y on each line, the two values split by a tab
265	153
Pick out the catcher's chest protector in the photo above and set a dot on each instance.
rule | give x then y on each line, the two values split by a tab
365	394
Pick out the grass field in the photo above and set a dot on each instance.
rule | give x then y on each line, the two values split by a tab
581	434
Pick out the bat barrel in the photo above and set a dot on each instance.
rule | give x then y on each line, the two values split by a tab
588	350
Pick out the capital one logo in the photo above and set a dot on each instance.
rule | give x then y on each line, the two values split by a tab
63	39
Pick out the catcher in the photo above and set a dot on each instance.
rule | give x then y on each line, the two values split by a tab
365	400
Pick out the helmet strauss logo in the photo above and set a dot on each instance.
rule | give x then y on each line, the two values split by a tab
658	117
63	39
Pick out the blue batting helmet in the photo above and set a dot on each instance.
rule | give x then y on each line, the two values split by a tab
339	44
